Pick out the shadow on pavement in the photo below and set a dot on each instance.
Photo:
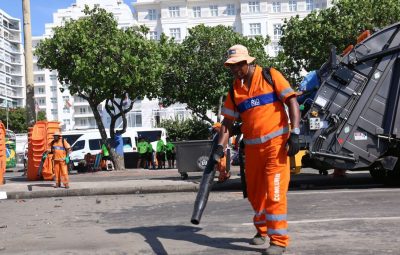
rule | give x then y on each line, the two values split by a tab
183	233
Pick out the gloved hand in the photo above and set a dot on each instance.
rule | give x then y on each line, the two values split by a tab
293	144
218	153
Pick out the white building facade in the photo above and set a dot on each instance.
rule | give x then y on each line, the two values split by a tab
173	18
12	74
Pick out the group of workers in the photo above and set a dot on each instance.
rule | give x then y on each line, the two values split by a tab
150	158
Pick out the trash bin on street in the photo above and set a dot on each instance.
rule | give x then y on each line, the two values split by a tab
192	156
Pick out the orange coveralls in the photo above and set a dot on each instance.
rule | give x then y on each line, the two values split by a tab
265	129
60	167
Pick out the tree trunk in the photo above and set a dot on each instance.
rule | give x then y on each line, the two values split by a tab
115	158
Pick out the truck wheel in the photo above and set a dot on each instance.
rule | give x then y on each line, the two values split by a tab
378	175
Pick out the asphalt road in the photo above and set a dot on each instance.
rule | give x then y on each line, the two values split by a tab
353	216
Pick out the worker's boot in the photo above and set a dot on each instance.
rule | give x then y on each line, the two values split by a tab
58	185
258	239
274	249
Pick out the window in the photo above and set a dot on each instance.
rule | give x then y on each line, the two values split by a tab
41	91
230	9
53	77
94	144
53	100
277	31
134	119
152	15
293	6
174	11
255	29
83	122
65	98
82	110
42	101
67	121
153	35
40	79
79	145
309	5
175	33
276	7
254	7
54	111
53	88
66	110
196	12
214	10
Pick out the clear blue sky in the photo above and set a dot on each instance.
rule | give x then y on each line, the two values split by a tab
41	11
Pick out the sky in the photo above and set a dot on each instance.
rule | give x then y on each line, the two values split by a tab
41	11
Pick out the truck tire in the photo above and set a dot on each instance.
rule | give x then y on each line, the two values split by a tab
378	175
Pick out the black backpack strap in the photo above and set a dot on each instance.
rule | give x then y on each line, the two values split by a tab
266	73
232	95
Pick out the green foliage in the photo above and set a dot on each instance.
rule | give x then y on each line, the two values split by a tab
16	119
188	129
41	115
100	62
306	42
196	74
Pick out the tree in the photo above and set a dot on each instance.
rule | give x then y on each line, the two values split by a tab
188	129
98	62
306	42
196	74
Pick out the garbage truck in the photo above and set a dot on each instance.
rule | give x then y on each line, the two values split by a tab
353	120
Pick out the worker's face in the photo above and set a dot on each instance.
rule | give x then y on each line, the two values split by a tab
56	137
239	70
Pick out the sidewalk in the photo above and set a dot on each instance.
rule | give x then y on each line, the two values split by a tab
141	181
130	181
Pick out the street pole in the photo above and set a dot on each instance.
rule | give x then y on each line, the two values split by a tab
30	100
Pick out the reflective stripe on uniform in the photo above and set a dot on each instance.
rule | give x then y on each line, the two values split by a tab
279	232
276	217
229	112
285	92
267	137
259	100
58	148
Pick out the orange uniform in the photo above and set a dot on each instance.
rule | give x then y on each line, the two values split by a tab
265	131
60	167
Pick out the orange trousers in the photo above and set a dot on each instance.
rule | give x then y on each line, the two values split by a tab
267	178
61	172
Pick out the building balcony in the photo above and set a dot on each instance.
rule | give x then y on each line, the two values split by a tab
83	115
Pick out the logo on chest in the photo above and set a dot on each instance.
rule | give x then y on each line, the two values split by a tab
255	102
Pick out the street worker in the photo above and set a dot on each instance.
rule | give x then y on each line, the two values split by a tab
105	155
150	155
170	151
60	149
160	153
221	166
142	149
268	142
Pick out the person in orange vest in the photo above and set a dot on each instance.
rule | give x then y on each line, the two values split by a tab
268	142
221	166
60	150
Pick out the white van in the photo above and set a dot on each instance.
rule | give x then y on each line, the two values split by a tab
91	143
151	134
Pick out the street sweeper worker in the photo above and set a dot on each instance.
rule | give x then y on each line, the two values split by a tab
269	140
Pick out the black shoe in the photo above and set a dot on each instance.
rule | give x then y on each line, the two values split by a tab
258	239
274	249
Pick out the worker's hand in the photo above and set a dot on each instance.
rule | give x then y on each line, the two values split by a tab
293	144
218	153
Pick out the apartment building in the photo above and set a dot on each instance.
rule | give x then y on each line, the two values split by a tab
173	18
248	17
12	75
